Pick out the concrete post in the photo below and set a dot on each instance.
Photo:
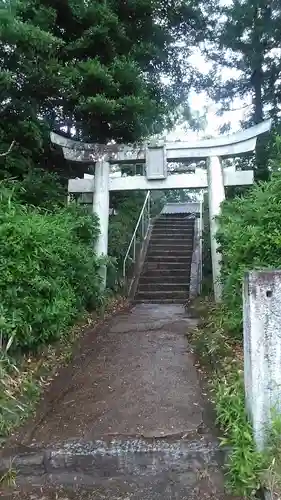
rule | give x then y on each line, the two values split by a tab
216	197
262	349
101	208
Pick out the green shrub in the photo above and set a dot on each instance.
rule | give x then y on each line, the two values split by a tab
121	228
41	188
250	238
122	225
48	270
244	465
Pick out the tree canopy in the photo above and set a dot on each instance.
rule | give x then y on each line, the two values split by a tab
102	70
243	43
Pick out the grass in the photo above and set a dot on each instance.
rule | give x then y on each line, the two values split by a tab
19	391
247	471
9	478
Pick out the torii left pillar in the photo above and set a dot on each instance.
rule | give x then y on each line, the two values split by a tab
101	209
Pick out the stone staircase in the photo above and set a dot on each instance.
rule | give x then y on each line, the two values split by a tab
165	275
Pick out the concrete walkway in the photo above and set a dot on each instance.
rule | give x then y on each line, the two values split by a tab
126	420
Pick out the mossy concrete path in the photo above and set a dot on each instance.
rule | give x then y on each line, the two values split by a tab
125	420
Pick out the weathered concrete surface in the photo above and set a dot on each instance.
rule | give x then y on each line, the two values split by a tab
126	421
262	349
133	378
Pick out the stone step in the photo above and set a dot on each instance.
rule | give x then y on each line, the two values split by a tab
159	301
163	252
162	294
172	232
186	224
170	245
163	287
171	238
178	218
171	268
174	220
171	223
185	217
179	226
162	243
183	224
154	268
165	277
178	215
135	468
159	278
161	261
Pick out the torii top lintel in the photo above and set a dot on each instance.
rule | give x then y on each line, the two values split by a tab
223	146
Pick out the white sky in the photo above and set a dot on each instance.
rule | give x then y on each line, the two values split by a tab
199	101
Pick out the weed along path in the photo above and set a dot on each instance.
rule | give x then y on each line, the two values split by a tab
125	420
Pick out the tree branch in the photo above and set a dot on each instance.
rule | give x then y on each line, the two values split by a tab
9	150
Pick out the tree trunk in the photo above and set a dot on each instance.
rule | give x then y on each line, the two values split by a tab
262	14
257	81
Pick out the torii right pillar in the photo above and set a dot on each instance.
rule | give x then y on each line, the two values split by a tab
216	194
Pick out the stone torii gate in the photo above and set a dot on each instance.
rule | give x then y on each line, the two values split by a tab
155	157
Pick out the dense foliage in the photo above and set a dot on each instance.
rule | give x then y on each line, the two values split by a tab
97	71
250	238
49	271
41	188
95	68
121	228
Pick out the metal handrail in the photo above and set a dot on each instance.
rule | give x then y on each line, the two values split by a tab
144	231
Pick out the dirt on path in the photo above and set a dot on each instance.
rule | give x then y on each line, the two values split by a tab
126	420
